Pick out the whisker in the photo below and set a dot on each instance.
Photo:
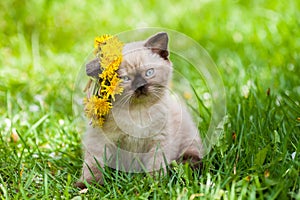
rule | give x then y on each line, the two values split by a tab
125	99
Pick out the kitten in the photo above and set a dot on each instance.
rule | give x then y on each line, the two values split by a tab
147	127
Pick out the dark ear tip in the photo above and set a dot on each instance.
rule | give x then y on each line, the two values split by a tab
158	43
162	35
92	68
159	40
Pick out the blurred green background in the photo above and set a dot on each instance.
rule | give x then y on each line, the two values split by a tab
44	43
255	44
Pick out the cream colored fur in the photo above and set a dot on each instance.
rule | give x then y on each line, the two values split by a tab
143	132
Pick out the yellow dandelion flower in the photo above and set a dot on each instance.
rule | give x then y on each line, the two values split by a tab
111	69
105	75
88	108
114	66
106	61
99	121
101	40
97	106
112	47
109	50
113	89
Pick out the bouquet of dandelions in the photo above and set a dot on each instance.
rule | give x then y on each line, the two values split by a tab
104	83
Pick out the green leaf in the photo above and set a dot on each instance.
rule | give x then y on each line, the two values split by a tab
261	156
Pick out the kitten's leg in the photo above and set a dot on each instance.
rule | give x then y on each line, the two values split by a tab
90	171
192	154
157	160
190	144
94	148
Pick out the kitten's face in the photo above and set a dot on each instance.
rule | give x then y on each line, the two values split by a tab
145	72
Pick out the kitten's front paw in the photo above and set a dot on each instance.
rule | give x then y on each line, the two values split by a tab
90	180
90	175
193	158
80	184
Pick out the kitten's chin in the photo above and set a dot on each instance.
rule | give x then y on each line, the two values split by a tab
143	99
133	99
148	98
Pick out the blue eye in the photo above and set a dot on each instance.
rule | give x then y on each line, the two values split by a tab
149	72
125	78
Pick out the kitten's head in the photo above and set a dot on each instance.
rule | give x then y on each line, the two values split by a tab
145	70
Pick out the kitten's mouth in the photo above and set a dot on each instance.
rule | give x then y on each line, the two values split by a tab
148	93
142	91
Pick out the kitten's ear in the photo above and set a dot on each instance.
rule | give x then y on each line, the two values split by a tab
93	68
159	44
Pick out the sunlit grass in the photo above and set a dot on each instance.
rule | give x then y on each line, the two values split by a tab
255	46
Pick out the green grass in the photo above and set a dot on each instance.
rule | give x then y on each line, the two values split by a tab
256	47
